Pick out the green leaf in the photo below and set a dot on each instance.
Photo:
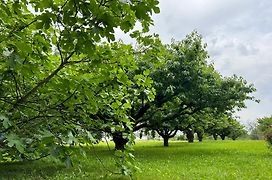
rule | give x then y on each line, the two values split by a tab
68	162
71	138
6	122
90	137
6	9
156	10
126	120
127	105
39	25
146	72
14	140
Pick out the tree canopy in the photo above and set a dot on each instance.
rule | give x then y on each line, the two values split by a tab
186	85
265	127
57	71
65	80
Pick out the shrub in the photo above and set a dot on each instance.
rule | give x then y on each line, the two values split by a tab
265	126
268	135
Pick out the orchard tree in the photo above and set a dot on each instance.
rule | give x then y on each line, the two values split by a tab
265	126
224	125
56	73
140	91
185	84
188	85
219	126
236	129
199	126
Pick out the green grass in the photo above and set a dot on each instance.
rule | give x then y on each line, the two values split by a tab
181	160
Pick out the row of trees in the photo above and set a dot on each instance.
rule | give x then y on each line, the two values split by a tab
191	96
225	127
64	80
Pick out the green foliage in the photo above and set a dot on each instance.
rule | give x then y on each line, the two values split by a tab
188	87
265	126
57	73
224	125
268	136
236	129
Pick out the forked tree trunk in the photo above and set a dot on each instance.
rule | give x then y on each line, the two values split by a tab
166	134
119	141
222	137
215	136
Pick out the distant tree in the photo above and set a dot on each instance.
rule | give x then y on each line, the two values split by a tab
200	124
236	129
254	132
223	129
265	126
166	134
190	133
217	125
224	125
200	133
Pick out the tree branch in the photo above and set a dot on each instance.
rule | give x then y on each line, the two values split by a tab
174	133
43	82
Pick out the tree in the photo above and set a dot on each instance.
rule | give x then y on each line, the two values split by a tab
236	129
224	125
56	74
166	134
187	84
265	126
140	90
254	132
197	123
200	127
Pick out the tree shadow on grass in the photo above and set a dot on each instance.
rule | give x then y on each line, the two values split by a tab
29	170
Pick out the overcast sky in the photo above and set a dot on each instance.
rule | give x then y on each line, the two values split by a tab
239	38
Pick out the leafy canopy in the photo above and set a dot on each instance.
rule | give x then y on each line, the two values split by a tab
56	73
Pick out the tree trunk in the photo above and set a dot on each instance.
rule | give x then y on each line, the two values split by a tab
200	136
215	136
165	141
190	136
222	137
119	141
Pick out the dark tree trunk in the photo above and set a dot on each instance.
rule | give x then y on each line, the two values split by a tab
165	141
166	134
222	137
215	136
200	136
119	141
190	136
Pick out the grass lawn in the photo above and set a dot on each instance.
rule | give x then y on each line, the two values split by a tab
181	160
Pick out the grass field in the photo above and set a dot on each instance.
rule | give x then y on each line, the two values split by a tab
181	160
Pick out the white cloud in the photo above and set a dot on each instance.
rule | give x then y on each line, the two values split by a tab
239	37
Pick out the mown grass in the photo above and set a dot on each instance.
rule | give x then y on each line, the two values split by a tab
181	160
